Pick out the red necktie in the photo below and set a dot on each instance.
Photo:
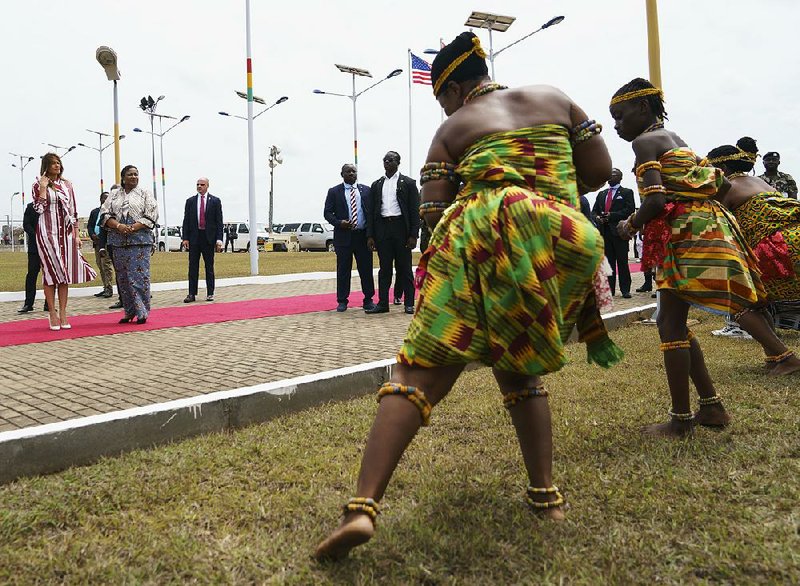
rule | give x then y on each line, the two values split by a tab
201	223
609	199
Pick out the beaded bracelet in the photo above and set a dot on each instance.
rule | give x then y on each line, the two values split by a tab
681	416
651	189
584	131
640	170
434	171
431	207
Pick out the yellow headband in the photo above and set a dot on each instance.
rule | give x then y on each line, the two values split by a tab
476	48
740	156
651	91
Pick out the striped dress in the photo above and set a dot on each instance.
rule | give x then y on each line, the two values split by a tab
508	271
695	245
62	261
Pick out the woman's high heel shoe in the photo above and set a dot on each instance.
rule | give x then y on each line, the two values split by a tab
54	328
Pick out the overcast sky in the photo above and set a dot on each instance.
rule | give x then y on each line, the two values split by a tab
729	69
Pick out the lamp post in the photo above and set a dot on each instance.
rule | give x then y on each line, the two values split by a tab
257	100
548	24
107	58
11	213
67	150
100	150
148	106
355	71
275	159
491	22
160	136
23	162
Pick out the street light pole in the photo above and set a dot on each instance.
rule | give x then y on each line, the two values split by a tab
251	162
275	159
107	58
23	162
100	150
354	71
163	174
11	213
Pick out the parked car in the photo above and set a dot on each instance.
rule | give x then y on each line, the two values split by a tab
172	239
310	235
242	241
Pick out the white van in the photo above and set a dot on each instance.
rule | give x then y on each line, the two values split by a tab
172	239
242	241
310	235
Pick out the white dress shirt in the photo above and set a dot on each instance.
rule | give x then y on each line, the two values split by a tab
389	205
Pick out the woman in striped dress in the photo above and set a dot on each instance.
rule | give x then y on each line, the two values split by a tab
57	238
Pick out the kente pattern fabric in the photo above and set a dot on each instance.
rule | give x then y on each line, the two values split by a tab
695	244
770	223
508	271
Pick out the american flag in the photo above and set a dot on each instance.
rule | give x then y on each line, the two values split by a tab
420	70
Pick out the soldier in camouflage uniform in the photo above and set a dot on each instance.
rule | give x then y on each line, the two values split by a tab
782	182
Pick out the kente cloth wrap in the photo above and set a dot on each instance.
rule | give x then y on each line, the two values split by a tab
770	224
695	245
508	271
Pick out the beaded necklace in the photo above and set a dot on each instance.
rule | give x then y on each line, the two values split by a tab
735	175
653	126
484	89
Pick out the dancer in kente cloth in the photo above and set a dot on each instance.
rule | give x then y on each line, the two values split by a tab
696	249
770	224
507	274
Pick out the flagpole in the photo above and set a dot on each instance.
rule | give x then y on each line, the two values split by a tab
410	127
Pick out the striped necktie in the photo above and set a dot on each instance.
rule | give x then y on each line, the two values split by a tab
353	207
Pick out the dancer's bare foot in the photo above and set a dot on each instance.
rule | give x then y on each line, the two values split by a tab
786	367
355	529
712	416
674	428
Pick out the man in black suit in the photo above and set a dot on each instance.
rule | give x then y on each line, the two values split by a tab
346	210
612	205
393	229
202	235
29	222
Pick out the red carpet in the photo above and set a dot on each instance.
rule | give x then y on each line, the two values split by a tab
636	267
31	331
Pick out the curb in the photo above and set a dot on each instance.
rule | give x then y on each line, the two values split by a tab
54	447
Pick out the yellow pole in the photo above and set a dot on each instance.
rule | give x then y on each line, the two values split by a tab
653	46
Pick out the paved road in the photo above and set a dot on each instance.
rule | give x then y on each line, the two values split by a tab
61	380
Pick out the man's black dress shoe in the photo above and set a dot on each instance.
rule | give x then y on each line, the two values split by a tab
397	300
188	299
626	295
117	305
101	294
644	289
368	305
25	309
341	307
377	309
410	309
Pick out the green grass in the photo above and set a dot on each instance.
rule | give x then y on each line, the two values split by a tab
250	506
173	266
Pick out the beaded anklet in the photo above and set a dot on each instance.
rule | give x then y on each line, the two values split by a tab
514	397
560	500
363	505
709	400
640	170
677	345
779	358
413	394
681	416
